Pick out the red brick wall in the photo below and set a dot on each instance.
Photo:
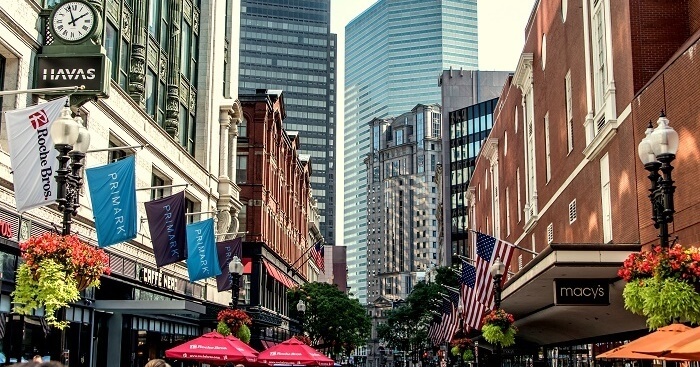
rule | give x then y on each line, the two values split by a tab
675	90
658	28
276	178
694	15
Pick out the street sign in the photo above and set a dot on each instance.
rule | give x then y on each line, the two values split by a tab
92	71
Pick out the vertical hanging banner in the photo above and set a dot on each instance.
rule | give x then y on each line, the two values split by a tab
32	153
226	250
202	261
113	196
167	225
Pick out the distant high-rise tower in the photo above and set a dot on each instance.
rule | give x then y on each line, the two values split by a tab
395	52
402	225
288	45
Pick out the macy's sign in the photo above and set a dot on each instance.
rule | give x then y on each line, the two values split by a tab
593	292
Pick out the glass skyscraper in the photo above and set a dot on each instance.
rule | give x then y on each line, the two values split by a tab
287	45
395	52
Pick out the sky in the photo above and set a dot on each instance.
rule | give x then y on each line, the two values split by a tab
501	38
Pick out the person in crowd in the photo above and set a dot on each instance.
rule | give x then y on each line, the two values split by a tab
38	364
157	363
37	358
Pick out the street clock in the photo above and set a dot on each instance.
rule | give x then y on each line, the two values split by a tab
73	21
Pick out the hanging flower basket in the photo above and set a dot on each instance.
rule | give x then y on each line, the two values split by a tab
234	322
55	269
462	347
662	285
498	328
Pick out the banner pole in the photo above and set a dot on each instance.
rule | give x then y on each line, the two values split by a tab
41	90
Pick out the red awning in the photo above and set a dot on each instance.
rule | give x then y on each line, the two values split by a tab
247	265
279	275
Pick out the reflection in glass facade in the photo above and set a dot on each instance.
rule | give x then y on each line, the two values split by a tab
469	127
287	45
394	53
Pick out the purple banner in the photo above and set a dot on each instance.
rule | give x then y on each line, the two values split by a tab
226	250
167	224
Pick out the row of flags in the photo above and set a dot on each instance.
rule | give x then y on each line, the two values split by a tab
476	292
112	191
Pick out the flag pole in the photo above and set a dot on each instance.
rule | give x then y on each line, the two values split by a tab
514	245
42	90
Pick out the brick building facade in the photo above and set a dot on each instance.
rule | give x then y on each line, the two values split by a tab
559	173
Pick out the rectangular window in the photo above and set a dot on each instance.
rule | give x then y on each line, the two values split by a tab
185	49
520	205
115	155
153	17
241	169
190	208
111	46
547	148
151	83
507	211
157	181
420	130
569	113
124	53
599	55
2	77
399	137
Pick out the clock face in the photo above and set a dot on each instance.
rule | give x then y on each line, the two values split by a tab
73	21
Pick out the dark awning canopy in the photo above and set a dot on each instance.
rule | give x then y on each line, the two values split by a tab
529	294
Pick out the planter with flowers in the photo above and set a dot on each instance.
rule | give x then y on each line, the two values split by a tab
498	328
234	322
662	285
462	347
55	269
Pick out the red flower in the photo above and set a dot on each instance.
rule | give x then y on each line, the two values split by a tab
234	318
499	317
79	258
673	262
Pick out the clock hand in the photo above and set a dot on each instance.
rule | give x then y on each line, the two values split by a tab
76	19
71	15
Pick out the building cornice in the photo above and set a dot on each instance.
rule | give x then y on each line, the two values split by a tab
523	71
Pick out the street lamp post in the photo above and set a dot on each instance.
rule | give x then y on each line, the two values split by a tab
656	151
301	308
235	268
71	140
498	268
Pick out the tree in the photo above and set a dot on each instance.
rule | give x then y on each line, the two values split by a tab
407	326
332	320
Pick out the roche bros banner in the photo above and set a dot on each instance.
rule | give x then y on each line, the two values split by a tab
32	153
113	195
202	261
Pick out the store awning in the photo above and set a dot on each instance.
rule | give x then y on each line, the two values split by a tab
279	275
530	294
151	307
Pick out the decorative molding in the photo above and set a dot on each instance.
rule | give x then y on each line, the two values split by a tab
524	70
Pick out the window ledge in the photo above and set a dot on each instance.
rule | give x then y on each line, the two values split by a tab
602	139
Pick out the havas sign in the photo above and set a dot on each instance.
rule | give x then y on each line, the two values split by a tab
91	71
592	292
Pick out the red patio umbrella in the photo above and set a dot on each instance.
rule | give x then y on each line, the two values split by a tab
212	347
293	352
633	349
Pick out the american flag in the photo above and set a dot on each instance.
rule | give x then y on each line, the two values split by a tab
450	318
439	330
317	255
488	249
473	309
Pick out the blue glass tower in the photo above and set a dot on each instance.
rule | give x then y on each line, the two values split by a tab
395	52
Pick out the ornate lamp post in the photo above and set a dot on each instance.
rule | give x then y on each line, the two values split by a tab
71	140
498	268
301	308
235	268
656	151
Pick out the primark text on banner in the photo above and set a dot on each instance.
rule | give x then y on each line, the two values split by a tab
202	261
113	196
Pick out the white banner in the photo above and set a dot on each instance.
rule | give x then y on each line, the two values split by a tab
32	153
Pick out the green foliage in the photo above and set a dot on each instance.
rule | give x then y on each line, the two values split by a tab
468	355
661	300
53	289
455	351
495	334
223	329
243	333
332	320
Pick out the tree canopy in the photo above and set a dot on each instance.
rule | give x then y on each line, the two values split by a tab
332	320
